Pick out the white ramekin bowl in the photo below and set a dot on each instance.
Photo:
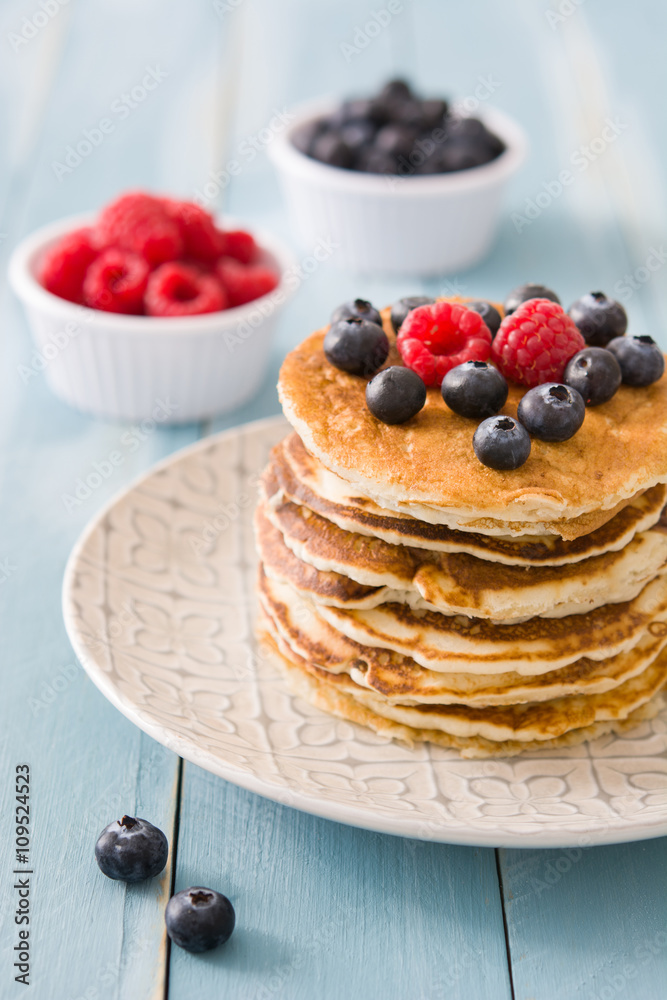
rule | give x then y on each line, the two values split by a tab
412	225
125	367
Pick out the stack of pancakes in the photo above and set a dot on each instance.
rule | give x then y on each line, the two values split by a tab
405	586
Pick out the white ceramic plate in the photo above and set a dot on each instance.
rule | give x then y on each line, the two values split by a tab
158	603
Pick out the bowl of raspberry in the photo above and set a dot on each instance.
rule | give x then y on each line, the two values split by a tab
400	184
151	303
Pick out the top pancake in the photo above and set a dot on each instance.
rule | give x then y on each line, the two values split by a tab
295	475
426	467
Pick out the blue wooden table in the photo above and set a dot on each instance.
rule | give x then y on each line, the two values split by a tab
324	911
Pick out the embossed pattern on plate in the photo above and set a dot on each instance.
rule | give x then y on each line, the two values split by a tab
159	605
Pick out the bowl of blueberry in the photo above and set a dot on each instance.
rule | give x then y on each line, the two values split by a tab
399	183
150	306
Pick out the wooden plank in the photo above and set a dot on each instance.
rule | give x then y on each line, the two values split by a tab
587	922
91	937
327	911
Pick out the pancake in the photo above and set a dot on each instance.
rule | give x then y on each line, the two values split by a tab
452	643
280	563
295	475
454	582
327	696
399	678
532	722
426	467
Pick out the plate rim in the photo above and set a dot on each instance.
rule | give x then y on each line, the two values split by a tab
619	831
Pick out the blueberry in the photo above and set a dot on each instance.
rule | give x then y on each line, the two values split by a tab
432	164
356	110
475	131
463	154
357	135
397	140
594	373
356	346
356	309
525	292
396	90
474	389
489	314
406	113
400	309
131	850
330	148
598	318
304	137
552	412
376	161
395	394
641	360
432	113
199	919
501	443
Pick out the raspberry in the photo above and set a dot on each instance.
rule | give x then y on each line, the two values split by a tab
140	223
65	264
241	246
179	290
245	283
116	282
201	240
535	343
435	338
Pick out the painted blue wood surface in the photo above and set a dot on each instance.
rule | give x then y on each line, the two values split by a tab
587	923
328	911
324	911
90	937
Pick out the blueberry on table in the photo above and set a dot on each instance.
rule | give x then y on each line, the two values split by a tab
356	309
474	389
552	411
356	346
199	919
598	318
594	373
131	850
525	292
641	360
395	395
501	443
400	309
489	314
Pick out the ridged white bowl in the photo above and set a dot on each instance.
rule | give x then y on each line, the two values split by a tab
127	367
424	225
